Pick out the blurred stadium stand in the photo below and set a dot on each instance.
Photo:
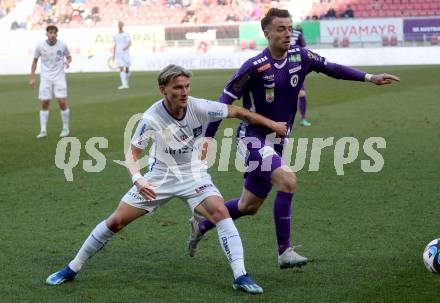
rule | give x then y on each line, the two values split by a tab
102	13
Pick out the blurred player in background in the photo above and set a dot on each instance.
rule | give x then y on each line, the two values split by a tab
269	84
121	54
298	40
52	78
176	124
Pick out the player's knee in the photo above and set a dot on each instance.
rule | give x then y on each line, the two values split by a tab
115	223
45	105
220	213
63	104
249	208
288	183
302	93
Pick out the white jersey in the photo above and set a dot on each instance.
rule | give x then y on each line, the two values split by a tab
121	41
176	143
52	59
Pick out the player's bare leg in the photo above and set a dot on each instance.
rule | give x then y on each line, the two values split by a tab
44	117
98	238
214	210
65	117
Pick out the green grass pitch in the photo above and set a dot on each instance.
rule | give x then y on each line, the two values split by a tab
364	231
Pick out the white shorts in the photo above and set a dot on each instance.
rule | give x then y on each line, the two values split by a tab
192	191
123	60
49	88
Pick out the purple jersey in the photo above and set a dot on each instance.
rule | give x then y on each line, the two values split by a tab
297	38
270	87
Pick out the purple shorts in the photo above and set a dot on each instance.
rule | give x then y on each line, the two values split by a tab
261	160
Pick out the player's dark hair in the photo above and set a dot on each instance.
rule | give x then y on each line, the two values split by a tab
272	14
51	28
170	72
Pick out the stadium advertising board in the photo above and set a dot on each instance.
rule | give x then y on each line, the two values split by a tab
205	33
421	29
252	31
361	30
311	31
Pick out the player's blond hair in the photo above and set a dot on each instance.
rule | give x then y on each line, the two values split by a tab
168	73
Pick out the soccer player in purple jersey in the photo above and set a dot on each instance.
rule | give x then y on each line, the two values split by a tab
269	84
298	40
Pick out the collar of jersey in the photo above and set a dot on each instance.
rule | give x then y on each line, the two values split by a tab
277	66
184	113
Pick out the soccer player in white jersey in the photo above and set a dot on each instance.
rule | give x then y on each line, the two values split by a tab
121	54
176	125
55	56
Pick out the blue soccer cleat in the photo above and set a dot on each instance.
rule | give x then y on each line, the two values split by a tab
304	122
246	284
61	276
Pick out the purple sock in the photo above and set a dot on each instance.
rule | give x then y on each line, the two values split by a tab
302	107
232	206
282	213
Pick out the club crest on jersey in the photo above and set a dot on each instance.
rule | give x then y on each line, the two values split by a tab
294	58
197	131
270	94
59	53
294	80
183	137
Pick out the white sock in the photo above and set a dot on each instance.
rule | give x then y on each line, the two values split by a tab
97	239
127	77
65	114
122	76
230	242
44	116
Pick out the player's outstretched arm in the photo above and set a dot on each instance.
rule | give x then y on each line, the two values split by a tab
253	118
33	69
132	163
381	79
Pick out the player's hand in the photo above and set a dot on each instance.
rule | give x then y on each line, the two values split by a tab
205	148
280	128
32	82
382	79
66	64
145	189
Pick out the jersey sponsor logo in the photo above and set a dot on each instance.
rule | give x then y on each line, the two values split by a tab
215	114
197	131
313	56
269	77
136	196
261	60
184	150
263	67
271	85
295	69
270	95
202	188
293	50
294	80
238	85
295	58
